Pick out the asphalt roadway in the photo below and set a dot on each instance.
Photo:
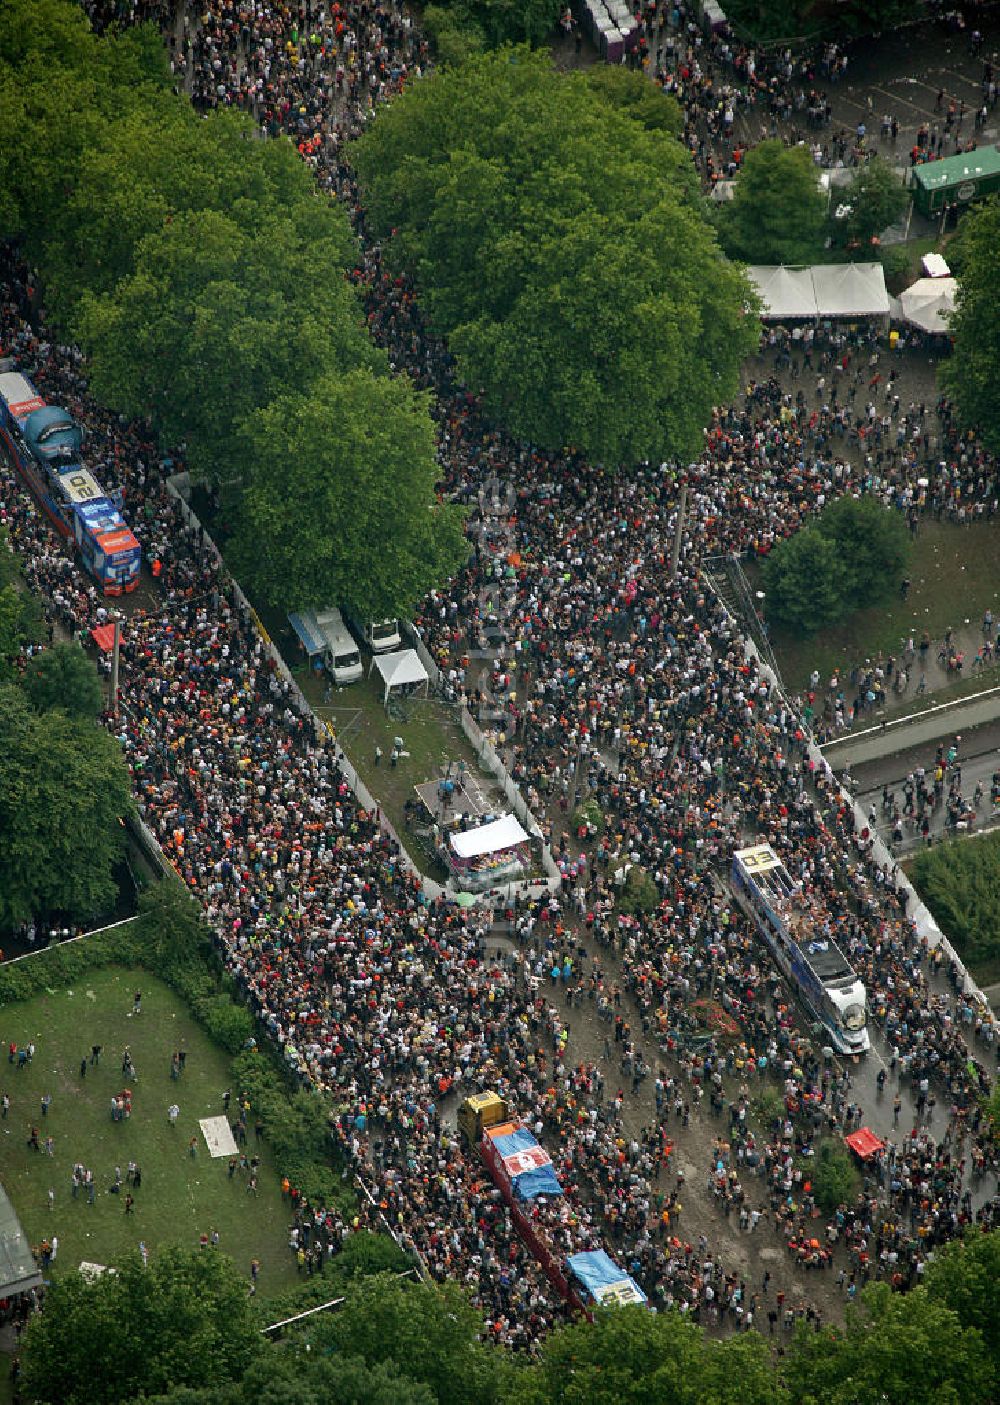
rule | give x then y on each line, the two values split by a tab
979	755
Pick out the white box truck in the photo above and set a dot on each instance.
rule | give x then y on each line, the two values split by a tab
342	657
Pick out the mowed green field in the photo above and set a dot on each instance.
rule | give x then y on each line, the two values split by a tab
181	1196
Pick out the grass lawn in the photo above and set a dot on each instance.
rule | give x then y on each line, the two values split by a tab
955	576
180	1196
430	731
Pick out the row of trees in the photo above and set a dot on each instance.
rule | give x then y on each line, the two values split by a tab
181	1332
852	555
64	785
555	230
206	279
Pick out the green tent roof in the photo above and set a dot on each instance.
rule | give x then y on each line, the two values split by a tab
954	170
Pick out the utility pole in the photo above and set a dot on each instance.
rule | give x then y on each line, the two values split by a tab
675	555
115	649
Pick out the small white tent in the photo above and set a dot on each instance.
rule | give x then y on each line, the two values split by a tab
929	302
399	669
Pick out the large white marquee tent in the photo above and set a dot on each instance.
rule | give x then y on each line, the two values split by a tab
836	290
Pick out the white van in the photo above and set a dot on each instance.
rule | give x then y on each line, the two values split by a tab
342	657
381	636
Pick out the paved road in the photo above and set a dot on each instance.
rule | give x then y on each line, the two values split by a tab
942	721
976	769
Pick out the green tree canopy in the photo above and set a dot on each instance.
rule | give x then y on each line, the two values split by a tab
633	94
293	1375
774	20
64	788
833	1176
873	545
555	230
218	319
960	883
496	22
778	212
971	375
877	199
20	624
156	162
965	1277
70	89
340	498
630	1356
427	1334
852	555
63	677
896	1350
804	581
184	1320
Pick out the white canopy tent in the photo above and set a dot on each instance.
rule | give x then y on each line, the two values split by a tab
399	669
935	266
503	833
929	303
833	290
785	292
850	290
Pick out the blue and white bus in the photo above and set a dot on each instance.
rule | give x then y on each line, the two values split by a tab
795	928
45	444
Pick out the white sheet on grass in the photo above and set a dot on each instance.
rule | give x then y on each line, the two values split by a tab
218	1136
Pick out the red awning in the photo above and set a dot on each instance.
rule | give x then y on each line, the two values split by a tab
104	637
864	1143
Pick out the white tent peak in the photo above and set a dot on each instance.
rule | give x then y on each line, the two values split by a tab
399	669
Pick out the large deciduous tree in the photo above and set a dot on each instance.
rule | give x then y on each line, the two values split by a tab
554	228
804	580
778	212
429	1334
506	21
63	677
183	1320
630	1356
896	1350
218	319
872	543
965	1276
293	1375
971	376
64	789
339	503
877	199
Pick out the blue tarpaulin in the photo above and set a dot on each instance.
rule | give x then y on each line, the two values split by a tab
528	1165
602	1280
312	640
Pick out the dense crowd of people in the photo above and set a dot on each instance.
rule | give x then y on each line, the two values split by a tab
633	687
